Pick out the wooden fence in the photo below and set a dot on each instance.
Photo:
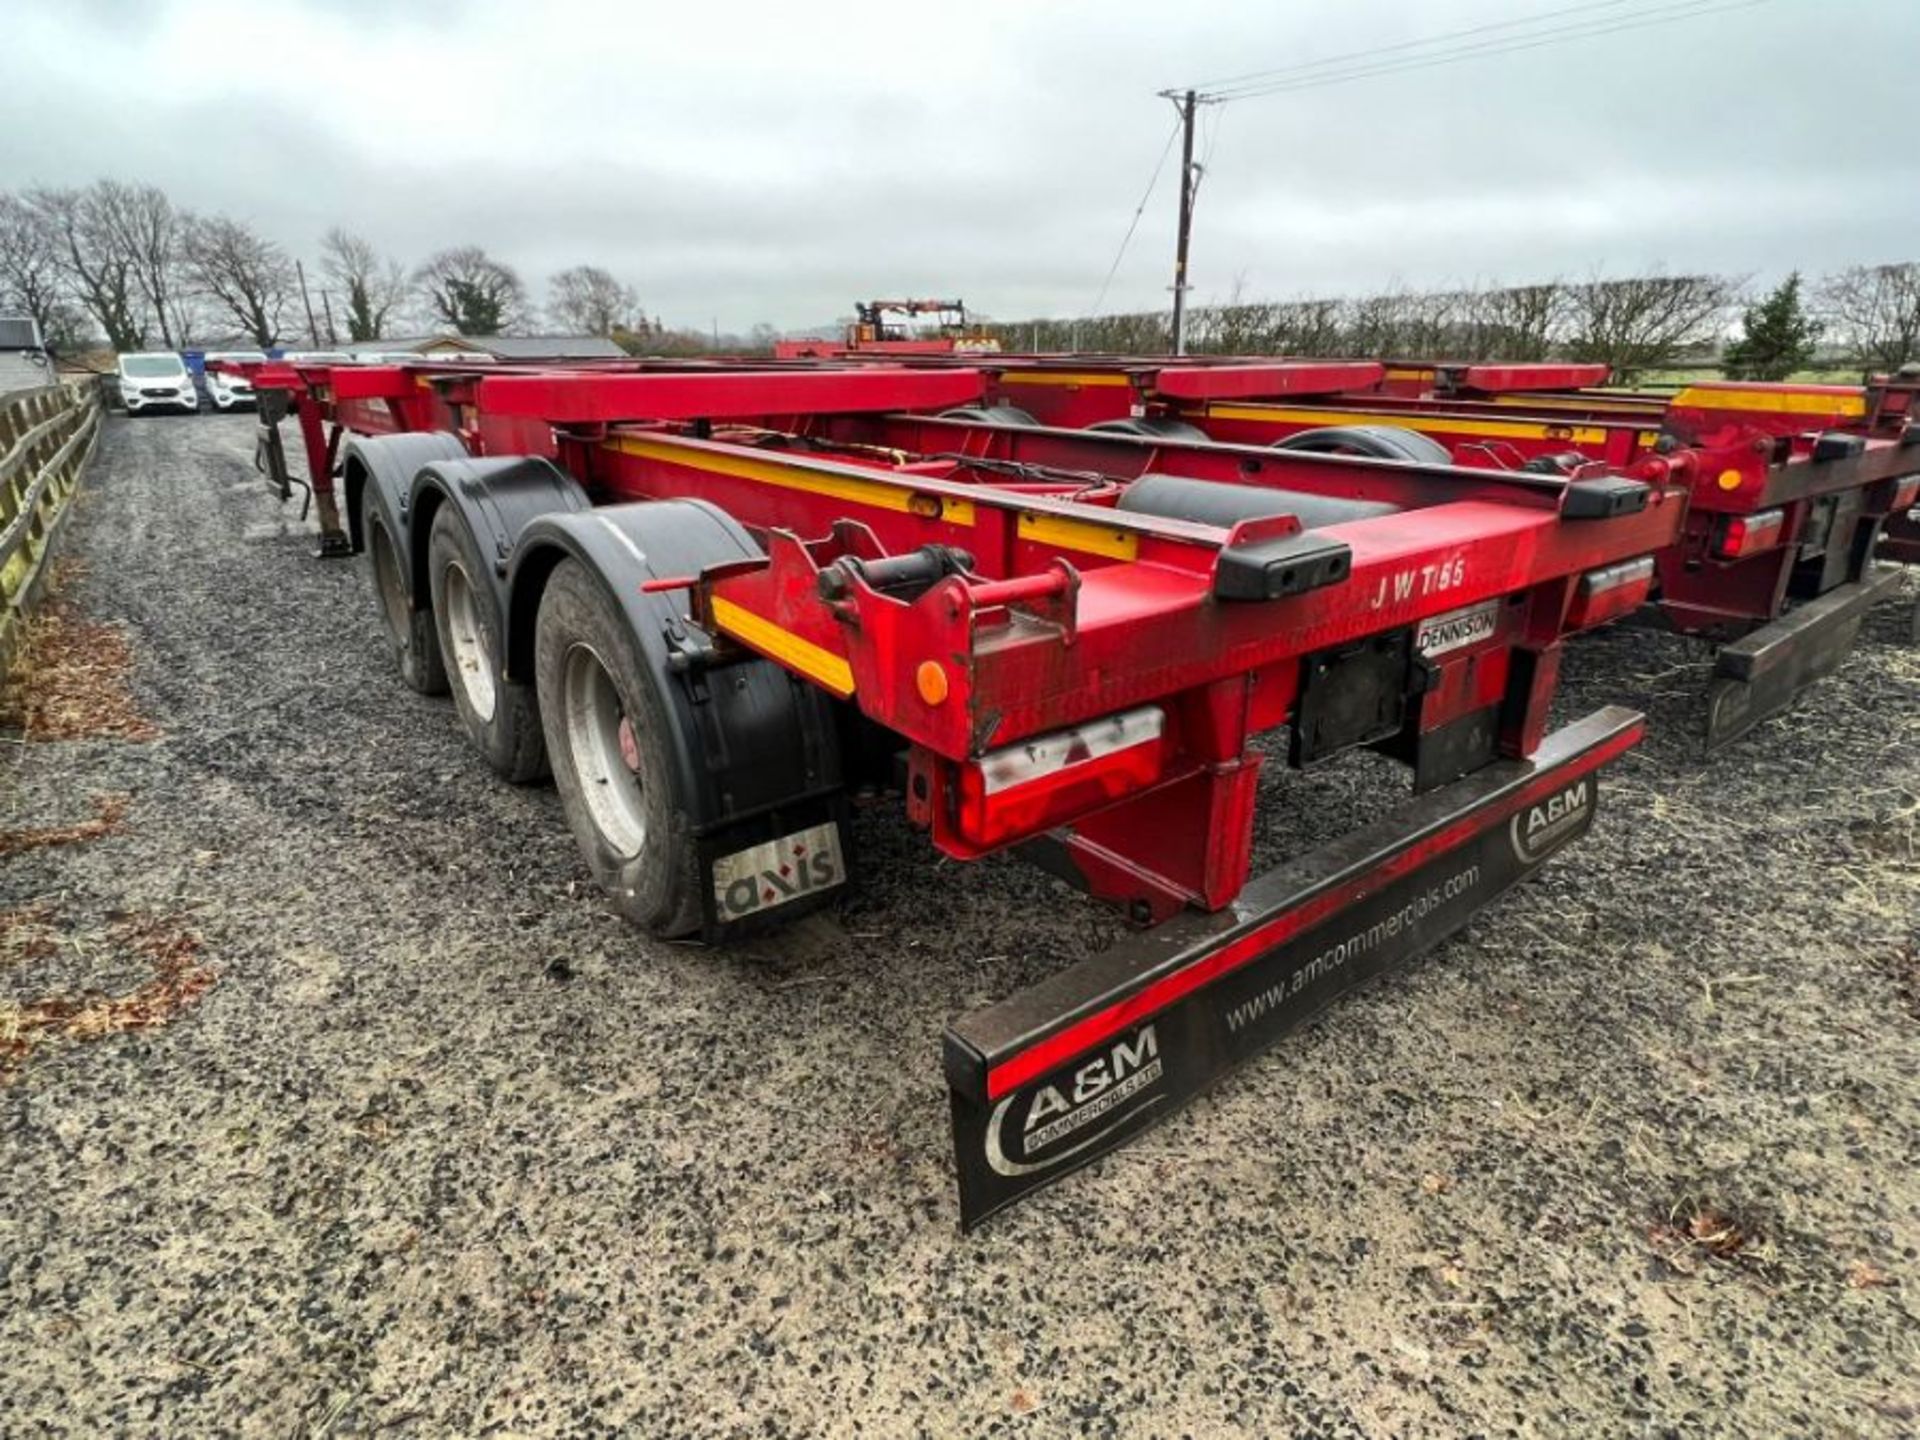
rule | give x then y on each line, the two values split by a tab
46	437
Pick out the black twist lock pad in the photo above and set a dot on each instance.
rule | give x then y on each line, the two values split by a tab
1058	1075
1604	497
1274	569
1264	569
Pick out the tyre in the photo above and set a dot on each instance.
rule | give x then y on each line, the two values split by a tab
1006	417
1381	442
416	649
608	738
1156	427
500	717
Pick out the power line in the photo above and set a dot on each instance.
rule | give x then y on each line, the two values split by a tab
1523	33
1226	81
1486	49
1138	211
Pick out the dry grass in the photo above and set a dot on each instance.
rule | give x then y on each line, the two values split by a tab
166	942
1696	1232
109	816
28	932
69	682
1903	965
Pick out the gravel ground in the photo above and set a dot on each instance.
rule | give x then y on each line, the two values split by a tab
445	1150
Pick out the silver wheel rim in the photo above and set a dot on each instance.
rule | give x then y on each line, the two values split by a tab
469	644
605	755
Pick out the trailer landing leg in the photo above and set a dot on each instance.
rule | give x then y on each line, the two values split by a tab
1761	674
1058	1075
334	544
270	459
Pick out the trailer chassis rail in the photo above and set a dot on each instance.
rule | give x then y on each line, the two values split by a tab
1048	1080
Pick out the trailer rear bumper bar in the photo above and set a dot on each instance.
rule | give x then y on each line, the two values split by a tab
1761	674
1050	1079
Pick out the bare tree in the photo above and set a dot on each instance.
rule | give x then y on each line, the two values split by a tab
375	287
1377	325
247	277
141	223
1436	324
1649	321
587	300
1307	326
1874	312
97	270
469	290
1519	322
30	275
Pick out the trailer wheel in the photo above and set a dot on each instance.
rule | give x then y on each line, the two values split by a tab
607	738
500	717
416	649
1381	442
1152	427
1007	417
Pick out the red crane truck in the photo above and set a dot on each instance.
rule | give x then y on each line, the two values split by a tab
711	602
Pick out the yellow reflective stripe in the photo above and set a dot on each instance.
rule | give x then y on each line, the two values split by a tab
1058	377
1409	374
1779	402
1085	536
882	494
783	645
1425	424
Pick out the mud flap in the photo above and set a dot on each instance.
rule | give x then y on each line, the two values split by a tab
1064	1072
773	867
1759	675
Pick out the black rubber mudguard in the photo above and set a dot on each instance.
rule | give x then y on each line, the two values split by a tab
497	499
756	746
381	468
1056	1076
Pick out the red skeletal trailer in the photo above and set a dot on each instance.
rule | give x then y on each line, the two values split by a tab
718	600
1794	490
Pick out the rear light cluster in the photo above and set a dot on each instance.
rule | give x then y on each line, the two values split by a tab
1610	592
1743	535
1905	492
1023	789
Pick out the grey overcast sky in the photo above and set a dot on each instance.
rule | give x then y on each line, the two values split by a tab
749	162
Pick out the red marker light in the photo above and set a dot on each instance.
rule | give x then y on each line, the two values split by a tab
1608	593
1744	535
1022	789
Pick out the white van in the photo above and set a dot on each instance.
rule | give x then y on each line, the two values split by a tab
227	388
157	380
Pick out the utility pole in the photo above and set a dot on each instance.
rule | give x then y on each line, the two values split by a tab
313	331
1187	103
326	306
